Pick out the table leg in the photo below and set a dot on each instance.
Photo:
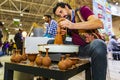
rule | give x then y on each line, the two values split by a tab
8	74
88	74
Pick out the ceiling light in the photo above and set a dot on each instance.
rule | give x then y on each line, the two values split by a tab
16	19
8	32
3	22
20	24
43	17
6	28
24	33
116	3
21	14
16	29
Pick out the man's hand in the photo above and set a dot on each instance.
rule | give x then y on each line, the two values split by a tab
65	23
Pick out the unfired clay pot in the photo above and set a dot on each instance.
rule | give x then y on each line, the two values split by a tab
12	59
68	62
31	58
61	64
74	60
24	55
38	59
46	61
18	57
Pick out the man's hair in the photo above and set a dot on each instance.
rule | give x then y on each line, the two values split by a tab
20	30
113	36
48	16
1	24
62	5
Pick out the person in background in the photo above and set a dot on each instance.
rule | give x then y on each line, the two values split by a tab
5	47
96	49
114	47
1	36
113	44
10	49
19	40
51	27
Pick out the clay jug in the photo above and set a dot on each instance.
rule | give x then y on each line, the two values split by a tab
46	61
12	59
61	64
18	57
31	58
24	55
58	37
68	62
38	59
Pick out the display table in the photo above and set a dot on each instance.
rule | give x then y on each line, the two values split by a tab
48	73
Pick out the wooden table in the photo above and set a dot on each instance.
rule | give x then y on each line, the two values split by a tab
48	73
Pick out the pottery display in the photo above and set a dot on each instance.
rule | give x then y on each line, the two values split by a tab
61	64
31	58
12	59
24	55
46	61
74	60
68	62
38	59
18	57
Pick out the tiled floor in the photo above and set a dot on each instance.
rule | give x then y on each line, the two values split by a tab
113	70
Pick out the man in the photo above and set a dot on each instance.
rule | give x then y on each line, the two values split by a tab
114	44
19	40
96	49
51	27
1	36
114	47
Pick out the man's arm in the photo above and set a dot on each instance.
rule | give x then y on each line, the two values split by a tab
92	23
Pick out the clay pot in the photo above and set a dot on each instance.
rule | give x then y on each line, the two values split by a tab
18	57
12	59
61	64
68	62
24	55
46	61
38	59
58	37
74	60
31	58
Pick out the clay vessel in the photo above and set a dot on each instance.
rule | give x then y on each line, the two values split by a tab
58	37
31	58
12	59
46	61
18	57
74	60
61	64
38	59
24	55
68	62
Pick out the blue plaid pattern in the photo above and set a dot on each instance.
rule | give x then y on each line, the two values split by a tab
51	29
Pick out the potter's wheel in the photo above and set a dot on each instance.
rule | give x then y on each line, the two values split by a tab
59	48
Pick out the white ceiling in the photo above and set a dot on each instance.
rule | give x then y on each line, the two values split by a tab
32	10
